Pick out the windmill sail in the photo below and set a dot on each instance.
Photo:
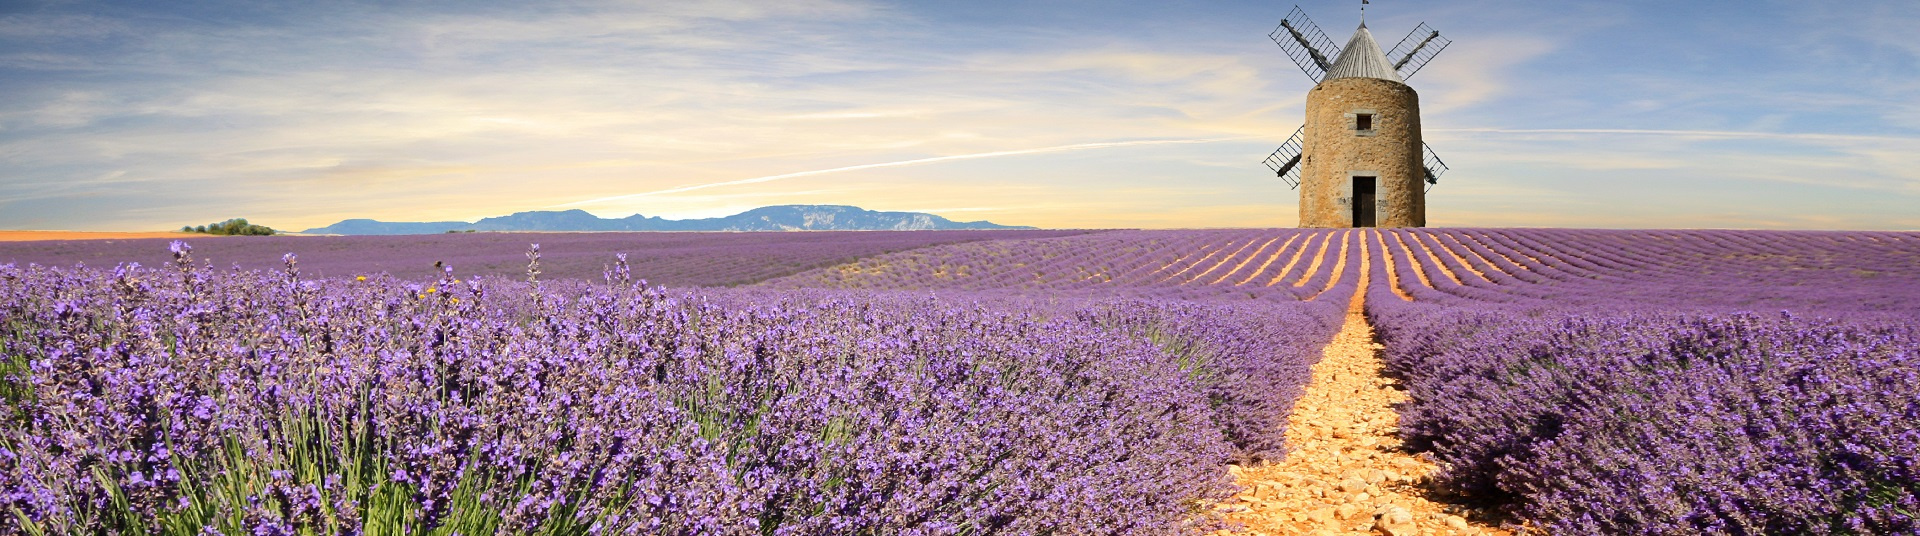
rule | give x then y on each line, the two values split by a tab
1418	48
1303	41
1285	161
1434	167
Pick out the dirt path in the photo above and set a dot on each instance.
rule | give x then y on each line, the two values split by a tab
1345	473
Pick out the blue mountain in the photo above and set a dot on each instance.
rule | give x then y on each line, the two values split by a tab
775	218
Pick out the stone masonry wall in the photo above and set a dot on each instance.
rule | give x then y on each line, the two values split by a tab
1334	152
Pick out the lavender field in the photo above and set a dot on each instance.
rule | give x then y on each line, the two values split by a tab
1610	382
674	259
1663	382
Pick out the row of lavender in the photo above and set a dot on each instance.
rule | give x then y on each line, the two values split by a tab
672	259
1282	265
1648	382
185	399
1850	272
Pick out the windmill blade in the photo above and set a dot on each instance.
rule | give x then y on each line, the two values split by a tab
1418	48
1303	41
1434	167
1285	161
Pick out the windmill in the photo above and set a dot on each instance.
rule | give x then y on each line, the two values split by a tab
1358	161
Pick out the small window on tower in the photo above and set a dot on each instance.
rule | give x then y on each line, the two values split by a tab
1363	122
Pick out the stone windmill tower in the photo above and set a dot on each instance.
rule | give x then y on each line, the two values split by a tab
1358	161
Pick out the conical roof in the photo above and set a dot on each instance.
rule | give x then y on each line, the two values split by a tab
1362	58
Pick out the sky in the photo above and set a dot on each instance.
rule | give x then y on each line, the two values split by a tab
1081	114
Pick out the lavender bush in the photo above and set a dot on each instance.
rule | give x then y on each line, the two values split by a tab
1609	382
1251	361
185	400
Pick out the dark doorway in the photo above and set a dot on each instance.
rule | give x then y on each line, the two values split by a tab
1363	201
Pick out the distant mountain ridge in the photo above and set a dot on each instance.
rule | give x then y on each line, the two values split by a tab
774	218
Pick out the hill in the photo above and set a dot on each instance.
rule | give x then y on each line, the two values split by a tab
774	218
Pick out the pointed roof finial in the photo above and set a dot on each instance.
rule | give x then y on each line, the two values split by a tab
1362	58
1363	13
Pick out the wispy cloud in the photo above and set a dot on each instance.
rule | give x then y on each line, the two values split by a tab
1478	70
913	162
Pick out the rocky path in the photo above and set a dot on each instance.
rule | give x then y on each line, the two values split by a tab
1345	473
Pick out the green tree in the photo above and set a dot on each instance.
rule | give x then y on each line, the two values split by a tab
236	226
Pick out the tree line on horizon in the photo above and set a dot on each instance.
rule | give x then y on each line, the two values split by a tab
232	227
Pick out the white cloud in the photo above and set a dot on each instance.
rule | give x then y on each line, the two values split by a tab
1477	70
706	107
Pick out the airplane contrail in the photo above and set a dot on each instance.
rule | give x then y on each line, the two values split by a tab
918	161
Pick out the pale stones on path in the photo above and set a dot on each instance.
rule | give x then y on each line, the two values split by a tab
1344	472
1353	485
